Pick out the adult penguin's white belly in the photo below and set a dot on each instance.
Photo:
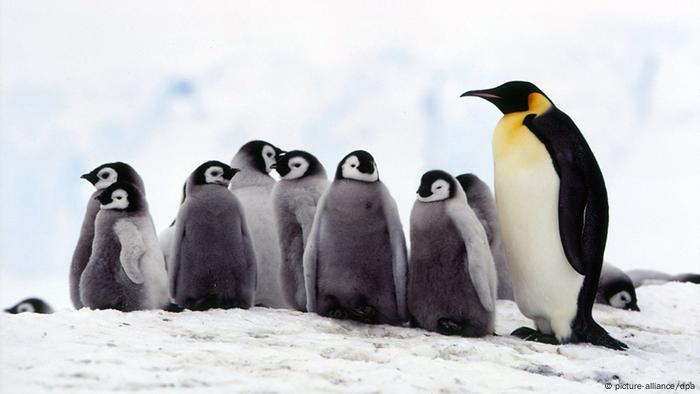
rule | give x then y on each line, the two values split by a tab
545	285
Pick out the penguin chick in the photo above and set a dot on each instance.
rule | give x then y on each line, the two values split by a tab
483	204
101	177
212	263
616	289
355	257
30	305
126	270
452	280
642	277
295	198
253	188
553	209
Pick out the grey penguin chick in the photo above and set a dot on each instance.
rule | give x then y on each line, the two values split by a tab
483	204
212	263
30	305
101	177
355	257
295	198
452	281
615	288
126	270
642	277
253	188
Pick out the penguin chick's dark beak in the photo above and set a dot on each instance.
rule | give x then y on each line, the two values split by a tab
424	192
632	307
273	166
229	173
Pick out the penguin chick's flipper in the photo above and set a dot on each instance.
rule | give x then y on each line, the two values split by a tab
175	308
133	248
596	335
529	334
365	314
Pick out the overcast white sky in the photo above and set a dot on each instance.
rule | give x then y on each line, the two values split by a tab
166	85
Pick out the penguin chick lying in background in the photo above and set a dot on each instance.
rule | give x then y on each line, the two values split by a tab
649	277
30	305
452	277
126	270
212	263
616	289
295	198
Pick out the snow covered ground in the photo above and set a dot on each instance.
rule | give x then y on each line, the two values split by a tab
264	350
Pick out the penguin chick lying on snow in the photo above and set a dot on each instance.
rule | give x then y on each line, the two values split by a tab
30	305
616	289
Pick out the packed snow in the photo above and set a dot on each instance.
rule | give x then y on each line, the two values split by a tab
265	350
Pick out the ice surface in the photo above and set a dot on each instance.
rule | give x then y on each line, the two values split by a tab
263	350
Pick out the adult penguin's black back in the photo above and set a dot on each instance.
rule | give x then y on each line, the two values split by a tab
553	206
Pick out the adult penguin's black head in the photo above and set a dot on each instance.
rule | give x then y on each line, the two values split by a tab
263	155
30	305
108	173
513	96
358	165
213	172
297	164
122	196
436	185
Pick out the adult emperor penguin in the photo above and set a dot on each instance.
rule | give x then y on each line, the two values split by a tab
253	188
101	177
553	208
616	289
295	198
451	276
481	201
355	257
126	270
31	305
212	262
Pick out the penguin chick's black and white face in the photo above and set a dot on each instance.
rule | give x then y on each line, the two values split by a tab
621	294
122	196
106	174
214	173
513	96
264	154
358	165
30	305
297	164
436	185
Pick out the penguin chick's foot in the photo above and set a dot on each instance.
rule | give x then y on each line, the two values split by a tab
365	314
596	335
529	334
337	313
447	326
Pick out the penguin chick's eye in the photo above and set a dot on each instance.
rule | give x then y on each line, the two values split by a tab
297	165
119	197
439	187
269	154
104	175
215	173
353	165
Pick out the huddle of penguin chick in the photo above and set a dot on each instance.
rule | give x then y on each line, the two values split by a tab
240	239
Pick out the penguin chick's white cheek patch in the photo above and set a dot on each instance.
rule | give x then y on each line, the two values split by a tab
621	299
297	168
215	174
440	191
350	171
120	200
105	178
25	307
268	154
